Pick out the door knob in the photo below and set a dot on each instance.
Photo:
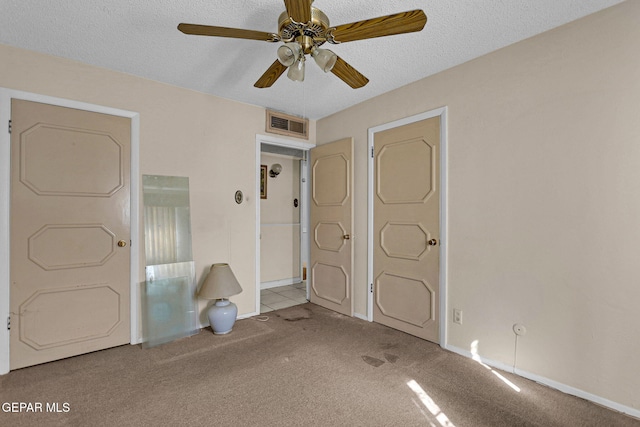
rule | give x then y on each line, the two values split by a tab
122	243
432	242
346	237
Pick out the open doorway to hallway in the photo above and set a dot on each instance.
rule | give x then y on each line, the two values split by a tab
283	217
282	297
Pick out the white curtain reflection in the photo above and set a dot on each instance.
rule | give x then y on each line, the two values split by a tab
167	222
160	235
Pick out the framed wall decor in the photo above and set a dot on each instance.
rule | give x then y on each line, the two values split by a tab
263	181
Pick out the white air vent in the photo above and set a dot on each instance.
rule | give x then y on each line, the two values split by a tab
284	124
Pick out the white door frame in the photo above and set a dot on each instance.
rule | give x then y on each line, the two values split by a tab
5	222
442	113
304	201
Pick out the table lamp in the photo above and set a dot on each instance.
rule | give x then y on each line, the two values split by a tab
219	285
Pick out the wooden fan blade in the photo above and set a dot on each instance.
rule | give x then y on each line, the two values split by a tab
271	75
399	23
299	10
236	33
348	74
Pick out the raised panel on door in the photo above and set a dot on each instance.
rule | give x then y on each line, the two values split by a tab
332	225
406	226
70	232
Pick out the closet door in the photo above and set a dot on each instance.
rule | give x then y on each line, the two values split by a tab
406	228
70	232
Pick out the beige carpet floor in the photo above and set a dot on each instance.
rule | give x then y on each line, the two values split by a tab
305	366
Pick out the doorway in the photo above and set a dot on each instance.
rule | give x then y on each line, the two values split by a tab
282	212
6	97
407	225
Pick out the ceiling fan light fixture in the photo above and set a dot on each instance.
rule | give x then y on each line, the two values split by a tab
325	58
289	53
302	28
296	71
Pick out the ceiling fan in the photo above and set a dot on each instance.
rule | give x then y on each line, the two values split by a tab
303	29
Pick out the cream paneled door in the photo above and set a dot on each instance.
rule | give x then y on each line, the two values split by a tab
69	232
406	228
331	222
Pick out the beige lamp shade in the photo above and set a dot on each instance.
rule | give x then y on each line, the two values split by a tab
219	283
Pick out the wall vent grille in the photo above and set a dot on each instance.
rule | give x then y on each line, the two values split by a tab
285	124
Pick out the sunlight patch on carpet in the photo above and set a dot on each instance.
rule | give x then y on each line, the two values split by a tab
475	356
428	402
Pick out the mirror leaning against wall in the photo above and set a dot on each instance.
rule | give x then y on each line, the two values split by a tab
168	296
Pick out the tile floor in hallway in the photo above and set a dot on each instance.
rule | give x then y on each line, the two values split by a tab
282	297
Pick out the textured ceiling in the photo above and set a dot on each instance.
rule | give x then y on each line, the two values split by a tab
140	38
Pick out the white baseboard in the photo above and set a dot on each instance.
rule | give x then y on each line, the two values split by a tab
281	282
551	383
361	316
580	393
246	316
489	362
201	325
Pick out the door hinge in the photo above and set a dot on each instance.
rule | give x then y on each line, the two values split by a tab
372	152
371	288
8	323
9	126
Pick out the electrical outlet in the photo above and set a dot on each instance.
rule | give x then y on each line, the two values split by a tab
457	316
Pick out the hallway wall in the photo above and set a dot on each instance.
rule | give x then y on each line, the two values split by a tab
280	223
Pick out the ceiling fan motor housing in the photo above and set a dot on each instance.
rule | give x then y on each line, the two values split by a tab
308	34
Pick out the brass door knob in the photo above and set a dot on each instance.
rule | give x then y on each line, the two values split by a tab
122	243
346	237
432	242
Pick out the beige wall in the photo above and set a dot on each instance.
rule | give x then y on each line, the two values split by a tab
280	221
543	199
183	133
543	187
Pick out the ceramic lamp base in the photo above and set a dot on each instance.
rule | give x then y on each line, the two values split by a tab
222	315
